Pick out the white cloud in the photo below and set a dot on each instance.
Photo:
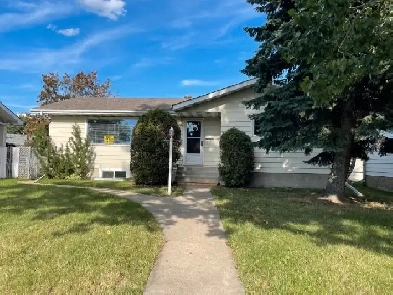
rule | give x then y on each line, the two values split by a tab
111	9
195	82
45	59
147	62
69	32
65	32
25	14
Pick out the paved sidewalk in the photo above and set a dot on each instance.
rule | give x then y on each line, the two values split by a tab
195	258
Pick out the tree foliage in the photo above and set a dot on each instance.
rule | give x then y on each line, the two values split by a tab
347	126
74	160
343	41
56	88
31	122
236	158
150	147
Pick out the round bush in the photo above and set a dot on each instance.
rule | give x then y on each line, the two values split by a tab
150	147
236	158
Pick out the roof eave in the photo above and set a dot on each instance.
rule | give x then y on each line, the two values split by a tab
13	118
213	95
89	112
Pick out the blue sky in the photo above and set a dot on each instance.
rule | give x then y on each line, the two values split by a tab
148	48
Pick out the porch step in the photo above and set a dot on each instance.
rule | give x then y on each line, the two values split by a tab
196	180
197	174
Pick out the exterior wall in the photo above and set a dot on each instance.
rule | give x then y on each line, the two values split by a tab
271	169
3	151
235	114
379	172
107	157
211	147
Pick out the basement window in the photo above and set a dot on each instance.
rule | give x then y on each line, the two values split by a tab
113	174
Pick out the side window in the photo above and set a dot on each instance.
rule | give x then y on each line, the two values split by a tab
256	127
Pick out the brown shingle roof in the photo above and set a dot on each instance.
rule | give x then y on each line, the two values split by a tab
110	104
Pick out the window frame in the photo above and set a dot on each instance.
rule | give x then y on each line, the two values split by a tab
253	129
108	119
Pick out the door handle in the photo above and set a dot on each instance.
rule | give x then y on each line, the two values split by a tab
201	142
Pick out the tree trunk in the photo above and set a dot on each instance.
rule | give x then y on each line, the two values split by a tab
335	188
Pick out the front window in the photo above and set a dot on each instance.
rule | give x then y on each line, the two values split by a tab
110	131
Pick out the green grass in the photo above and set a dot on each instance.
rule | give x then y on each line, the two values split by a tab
292	242
73	241
126	185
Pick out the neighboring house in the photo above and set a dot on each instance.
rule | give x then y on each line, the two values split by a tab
6	117
379	170
15	140
202	119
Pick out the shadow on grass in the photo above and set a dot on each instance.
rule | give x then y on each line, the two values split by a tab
303	212
49	203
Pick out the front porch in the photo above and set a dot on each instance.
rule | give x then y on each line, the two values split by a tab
200	148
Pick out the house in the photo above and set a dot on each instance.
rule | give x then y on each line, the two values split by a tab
378	170
6	117
109	121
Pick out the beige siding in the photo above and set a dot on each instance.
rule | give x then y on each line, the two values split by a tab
60	128
235	114
211	141
107	157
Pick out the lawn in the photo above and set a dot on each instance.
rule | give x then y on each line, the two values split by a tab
290	241
73	241
126	185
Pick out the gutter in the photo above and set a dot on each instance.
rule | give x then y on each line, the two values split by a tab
90	112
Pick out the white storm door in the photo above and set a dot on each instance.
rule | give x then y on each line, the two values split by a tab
194	142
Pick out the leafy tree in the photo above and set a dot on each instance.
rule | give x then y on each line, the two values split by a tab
30	124
346	128
236	158
150	147
66	87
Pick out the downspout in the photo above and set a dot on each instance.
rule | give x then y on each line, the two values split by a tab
354	190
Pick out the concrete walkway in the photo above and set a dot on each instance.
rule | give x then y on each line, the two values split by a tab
195	258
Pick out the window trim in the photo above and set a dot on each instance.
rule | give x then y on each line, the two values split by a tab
114	170
106	118
253	129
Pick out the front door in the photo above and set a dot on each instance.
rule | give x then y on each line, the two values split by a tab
194	142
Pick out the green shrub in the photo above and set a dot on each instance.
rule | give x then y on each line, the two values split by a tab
75	159
236	158
150	147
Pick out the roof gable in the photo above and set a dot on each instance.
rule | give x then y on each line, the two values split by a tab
213	95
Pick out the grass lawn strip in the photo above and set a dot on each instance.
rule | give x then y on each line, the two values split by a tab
56	240
126	185
290	241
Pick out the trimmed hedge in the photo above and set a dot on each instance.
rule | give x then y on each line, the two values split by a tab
236	158
150	147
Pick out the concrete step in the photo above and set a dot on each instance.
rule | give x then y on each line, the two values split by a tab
201	179
197	169
194	173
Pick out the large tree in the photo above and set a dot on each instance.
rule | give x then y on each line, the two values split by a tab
56	88
345	128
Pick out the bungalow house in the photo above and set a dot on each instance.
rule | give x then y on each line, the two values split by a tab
109	122
6	117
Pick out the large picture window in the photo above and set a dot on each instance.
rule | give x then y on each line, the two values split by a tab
110	131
